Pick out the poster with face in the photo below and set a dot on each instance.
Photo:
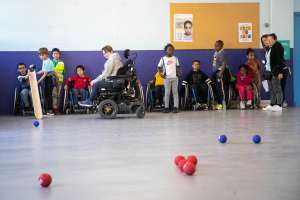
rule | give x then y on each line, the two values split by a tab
183	27
245	32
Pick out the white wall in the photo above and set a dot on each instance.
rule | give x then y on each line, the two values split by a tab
297	6
90	24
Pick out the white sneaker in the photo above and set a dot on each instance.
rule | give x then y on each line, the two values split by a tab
276	108
249	103
242	105
269	107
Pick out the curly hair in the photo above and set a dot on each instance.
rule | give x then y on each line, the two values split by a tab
168	45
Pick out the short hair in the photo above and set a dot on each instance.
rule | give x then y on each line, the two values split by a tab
273	35
56	49
249	51
264	36
220	42
243	66
187	22
167	46
81	67
43	50
196	61
20	64
107	48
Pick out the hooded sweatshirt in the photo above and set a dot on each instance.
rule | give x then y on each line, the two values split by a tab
111	67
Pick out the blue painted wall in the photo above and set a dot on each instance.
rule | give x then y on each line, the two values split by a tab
146	64
297	57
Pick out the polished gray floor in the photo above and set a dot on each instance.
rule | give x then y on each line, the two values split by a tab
129	158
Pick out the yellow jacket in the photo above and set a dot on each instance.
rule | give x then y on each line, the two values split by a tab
158	79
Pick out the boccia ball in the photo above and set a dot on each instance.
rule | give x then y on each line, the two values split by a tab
256	139
222	138
177	159
45	180
189	168
181	164
36	123
192	159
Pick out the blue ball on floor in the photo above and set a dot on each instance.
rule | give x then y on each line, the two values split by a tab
256	139
36	123
222	138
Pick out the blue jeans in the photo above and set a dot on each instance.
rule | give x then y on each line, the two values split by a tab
96	87
82	92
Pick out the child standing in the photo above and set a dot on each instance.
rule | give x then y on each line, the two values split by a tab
243	83
168	65
254	67
59	68
158	82
25	85
80	81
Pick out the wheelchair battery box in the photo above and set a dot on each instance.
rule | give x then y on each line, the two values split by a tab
118	83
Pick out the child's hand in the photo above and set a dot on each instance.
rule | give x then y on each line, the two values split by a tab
148	83
31	66
66	87
179	74
248	87
162	75
220	76
92	83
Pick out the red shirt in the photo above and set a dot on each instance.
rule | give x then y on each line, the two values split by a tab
243	81
79	82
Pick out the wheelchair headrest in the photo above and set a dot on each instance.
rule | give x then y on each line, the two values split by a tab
124	69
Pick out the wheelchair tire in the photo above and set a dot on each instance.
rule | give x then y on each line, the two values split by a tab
211	99
105	108
16	102
68	111
23	113
141	98
65	101
148	101
140	112
230	95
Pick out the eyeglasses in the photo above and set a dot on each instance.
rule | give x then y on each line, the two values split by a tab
196	64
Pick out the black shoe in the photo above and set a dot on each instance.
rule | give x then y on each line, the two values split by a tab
76	107
166	110
26	109
50	112
175	110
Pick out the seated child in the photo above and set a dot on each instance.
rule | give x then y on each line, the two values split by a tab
159	88
25	85
254	67
196	79
80	81
243	83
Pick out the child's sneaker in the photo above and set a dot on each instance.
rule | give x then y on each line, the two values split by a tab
242	105
175	110
276	108
249	103
86	103
56	111
163	104
50	112
166	110
269	107
220	107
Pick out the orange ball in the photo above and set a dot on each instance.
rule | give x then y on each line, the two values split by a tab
192	159
181	164
177	159
189	168
45	180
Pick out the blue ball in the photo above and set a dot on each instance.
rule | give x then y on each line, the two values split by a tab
256	139
36	123
222	138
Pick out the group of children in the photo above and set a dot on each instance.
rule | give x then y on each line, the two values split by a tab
166	79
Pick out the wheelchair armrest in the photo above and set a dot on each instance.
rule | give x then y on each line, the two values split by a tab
118	77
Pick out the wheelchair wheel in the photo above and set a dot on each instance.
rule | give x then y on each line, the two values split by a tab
255	97
16	102
68	111
108	109
211	97
65	101
230	95
148	99
140	112
185	99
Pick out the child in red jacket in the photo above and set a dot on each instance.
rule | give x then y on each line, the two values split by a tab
243	83
80	81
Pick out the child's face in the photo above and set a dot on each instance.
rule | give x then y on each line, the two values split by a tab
43	56
243	71
188	29
22	69
107	54
218	46
55	55
80	72
196	66
250	56
170	51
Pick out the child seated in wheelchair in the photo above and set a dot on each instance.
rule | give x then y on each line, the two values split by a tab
80	82
196	80
243	83
158	83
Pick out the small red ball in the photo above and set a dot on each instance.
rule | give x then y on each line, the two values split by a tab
189	168
177	159
45	180
181	164
192	159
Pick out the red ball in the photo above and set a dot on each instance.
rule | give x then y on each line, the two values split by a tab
181	164
177	159
192	159
189	168
45	180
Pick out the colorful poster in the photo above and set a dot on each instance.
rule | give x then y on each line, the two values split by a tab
183	27
245	32
286	46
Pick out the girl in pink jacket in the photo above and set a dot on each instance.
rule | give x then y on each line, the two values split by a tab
243	83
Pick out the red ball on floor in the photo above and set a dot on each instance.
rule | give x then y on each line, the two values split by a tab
45	180
189	168
181	164
177	159
192	159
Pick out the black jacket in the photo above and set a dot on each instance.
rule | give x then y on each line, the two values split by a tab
276	59
194	78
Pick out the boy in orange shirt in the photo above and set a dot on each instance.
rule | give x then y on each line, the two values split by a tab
254	67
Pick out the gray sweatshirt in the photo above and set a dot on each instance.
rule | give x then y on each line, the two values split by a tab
110	67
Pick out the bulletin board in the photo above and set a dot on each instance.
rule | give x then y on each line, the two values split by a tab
217	21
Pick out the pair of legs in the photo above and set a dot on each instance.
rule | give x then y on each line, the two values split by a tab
222	87
56	95
25	92
257	82
275	91
200	88
48	91
242	90
283	83
159	89
171	84
82	93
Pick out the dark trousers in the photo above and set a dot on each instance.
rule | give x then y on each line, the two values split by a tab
218	87
159	89
283	82
48	91
82	92
275	91
96	87
200	88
